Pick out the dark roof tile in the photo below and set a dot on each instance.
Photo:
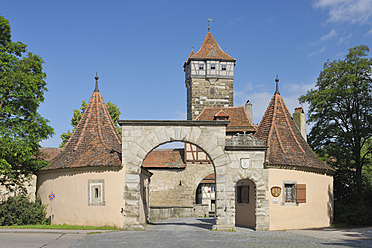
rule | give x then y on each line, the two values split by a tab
165	158
286	146
94	142
237	116
210	50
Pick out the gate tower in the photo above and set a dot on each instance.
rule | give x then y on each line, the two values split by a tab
209	78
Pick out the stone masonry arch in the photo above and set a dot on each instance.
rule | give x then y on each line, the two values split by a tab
141	137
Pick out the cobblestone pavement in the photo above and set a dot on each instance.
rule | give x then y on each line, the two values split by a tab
196	233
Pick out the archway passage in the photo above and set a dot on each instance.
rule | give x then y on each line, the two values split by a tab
245	203
206	196
141	137
174	181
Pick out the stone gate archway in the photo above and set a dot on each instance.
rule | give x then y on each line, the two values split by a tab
141	137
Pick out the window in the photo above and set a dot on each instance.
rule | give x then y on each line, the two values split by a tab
201	67
295	193
289	192
242	194
96	196
213	66
223	67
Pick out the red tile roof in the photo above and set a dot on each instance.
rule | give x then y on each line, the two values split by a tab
237	116
221	113
210	50
49	153
165	158
286	146
209	179
94	142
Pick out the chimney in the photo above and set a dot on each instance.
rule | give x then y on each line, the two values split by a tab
299	118
248	110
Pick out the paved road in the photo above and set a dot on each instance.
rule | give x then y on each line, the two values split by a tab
196	233
187	233
35	238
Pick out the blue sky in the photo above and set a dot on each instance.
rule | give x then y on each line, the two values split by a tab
138	49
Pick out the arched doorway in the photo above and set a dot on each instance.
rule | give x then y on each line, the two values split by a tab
206	196
141	137
245	203
176	169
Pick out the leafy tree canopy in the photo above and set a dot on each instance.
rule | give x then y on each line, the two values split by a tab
22	87
341	110
77	114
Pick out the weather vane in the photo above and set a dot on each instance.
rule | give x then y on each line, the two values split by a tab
209	21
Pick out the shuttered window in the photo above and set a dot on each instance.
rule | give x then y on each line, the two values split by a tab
301	193
289	192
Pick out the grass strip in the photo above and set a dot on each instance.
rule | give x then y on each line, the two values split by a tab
64	226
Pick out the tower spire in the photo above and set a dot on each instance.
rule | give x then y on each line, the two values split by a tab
209	21
277	85
96	78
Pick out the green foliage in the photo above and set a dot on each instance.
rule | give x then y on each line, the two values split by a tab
77	114
22	87
20	210
341	110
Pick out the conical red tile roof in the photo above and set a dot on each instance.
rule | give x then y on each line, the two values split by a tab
286	146
210	50
94	142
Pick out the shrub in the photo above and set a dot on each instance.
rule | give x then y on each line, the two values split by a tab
353	214
19	210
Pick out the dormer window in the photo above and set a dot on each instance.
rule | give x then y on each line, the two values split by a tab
223	67
201	66
213	66
221	116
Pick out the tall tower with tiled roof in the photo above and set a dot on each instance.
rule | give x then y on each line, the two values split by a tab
209	78
286	146
95	140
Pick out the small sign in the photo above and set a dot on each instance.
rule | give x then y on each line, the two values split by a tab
275	201
275	191
51	196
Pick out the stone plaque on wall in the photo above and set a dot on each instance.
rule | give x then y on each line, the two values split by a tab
244	163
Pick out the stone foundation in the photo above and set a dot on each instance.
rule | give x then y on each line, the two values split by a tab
167	212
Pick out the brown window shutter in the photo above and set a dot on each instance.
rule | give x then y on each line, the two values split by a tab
301	193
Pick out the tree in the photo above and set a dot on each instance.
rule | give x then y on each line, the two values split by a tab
22	87
341	110
77	114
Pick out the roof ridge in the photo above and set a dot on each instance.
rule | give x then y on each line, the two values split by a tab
221	112
228	107
94	142
272	123
210	49
285	144
116	134
84	127
246	115
98	123
290	128
85	124
279	140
